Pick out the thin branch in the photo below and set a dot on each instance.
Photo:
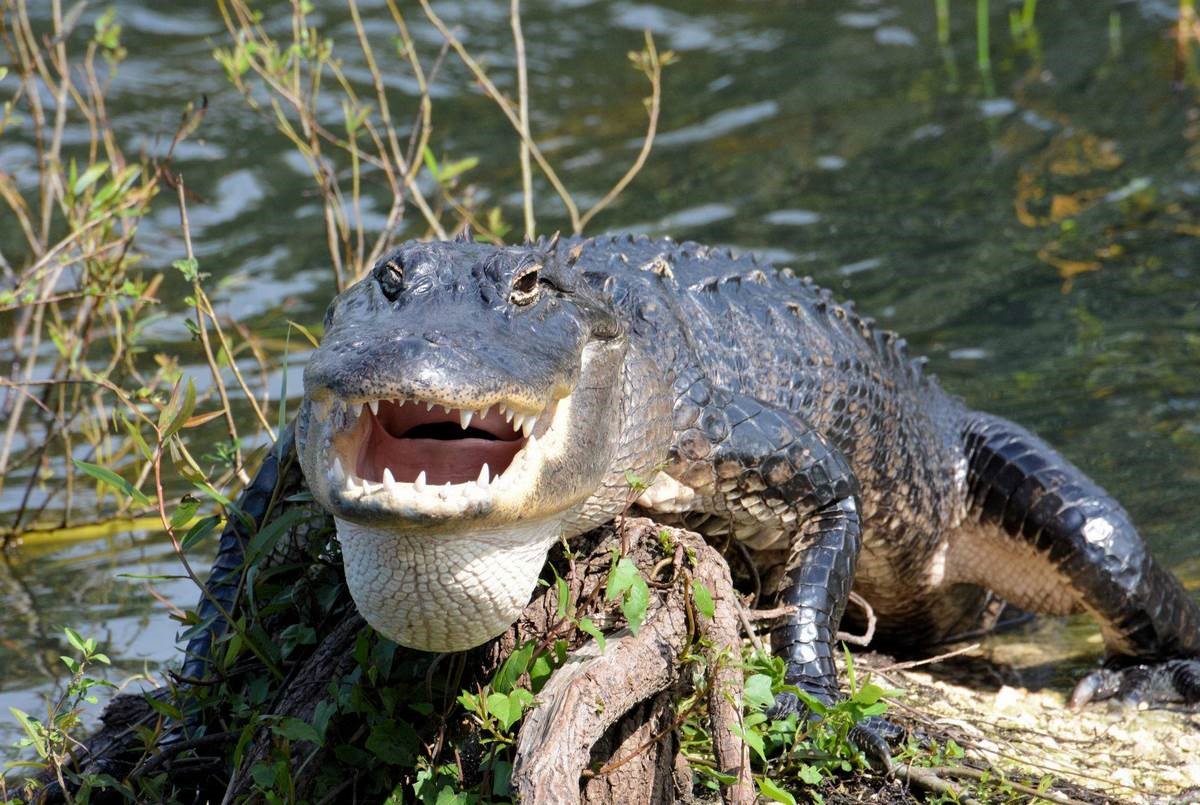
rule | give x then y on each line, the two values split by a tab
903	666
506	107
929	780
202	331
865	638
654	73
526	137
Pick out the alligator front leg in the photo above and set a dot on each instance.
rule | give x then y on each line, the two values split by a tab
1068	546
773	479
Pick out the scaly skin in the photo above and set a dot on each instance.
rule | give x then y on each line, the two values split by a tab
761	409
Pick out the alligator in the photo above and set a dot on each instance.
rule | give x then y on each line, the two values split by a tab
471	404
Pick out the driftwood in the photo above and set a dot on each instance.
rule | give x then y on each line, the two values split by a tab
602	730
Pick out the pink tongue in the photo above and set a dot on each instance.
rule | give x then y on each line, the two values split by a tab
444	460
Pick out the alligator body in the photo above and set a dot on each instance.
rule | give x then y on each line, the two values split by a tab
470	404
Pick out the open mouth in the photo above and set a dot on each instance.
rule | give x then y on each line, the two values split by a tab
407	446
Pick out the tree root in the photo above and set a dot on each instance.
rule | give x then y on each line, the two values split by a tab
596	690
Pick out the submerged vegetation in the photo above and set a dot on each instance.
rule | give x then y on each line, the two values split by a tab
101	425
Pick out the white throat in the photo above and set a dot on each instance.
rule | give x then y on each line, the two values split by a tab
446	592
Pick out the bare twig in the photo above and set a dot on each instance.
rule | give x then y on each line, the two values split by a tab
202	330
929	780
903	666
865	638
928	777
653	69
523	119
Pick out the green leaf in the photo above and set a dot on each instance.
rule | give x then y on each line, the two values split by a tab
210	491
448	796
431	163
32	728
869	693
110	478
496	705
635	604
264	541
89	177
469	702
76	641
181	414
810	774
135	433
263	774
758	692
189	268
564	595
540	671
163	707
184	512
452	170
322	713
635	481
516	664
620	579
754	719
199	530
298	634
703	599
393	742
771	790
297	730
588	627
811	702
877	709
508	709
501	779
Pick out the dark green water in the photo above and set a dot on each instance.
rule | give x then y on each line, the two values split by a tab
835	138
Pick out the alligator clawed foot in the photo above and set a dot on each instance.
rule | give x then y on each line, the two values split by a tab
874	736
1168	682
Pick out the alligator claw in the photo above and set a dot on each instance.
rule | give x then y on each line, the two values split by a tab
873	736
1169	682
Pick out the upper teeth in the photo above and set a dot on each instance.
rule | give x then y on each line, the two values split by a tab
525	423
343	476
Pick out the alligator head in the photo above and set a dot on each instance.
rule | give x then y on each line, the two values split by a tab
463	407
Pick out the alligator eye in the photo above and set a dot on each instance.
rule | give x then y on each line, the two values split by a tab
389	274
525	286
